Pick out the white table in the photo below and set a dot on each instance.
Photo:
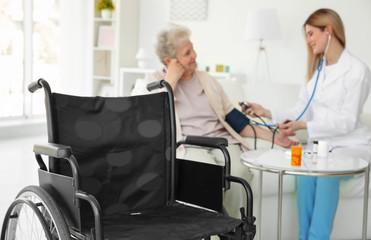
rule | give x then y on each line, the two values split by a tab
279	161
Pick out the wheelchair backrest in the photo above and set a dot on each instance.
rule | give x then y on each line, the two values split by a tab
122	146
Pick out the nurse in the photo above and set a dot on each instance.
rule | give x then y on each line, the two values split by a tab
333	115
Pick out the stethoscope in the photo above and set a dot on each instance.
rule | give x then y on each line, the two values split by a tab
319	69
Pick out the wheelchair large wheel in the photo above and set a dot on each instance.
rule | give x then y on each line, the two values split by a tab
34	215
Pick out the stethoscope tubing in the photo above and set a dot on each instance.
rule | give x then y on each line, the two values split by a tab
319	69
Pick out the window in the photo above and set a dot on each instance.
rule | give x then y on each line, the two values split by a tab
29	49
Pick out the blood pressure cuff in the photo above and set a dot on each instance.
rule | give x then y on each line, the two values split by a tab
237	120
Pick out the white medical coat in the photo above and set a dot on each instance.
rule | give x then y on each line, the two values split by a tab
334	113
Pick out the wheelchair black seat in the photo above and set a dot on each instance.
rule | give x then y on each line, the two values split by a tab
172	222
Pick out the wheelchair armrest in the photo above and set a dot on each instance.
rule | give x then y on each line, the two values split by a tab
205	141
58	151
249	196
213	142
53	150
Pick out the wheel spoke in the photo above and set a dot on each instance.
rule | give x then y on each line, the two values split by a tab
27	222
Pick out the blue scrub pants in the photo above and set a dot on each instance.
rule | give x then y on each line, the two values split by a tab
317	202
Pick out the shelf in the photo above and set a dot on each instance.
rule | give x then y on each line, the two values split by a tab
104	19
104	48
108	78
220	75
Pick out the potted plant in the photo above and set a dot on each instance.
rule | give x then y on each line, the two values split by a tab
105	7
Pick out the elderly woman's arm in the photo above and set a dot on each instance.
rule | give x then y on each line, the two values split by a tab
280	139
241	124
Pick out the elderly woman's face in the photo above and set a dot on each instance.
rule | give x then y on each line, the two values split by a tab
186	56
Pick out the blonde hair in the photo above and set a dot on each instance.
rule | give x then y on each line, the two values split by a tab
169	39
320	19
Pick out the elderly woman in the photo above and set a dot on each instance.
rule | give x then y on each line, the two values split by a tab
203	108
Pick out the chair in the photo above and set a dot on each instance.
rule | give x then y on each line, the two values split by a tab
112	174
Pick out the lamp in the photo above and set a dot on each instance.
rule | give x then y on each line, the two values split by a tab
262	24
143	58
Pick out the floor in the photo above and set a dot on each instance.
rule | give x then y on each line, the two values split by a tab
18	168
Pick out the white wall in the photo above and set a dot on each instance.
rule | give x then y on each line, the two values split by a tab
129	25
220	39
75	56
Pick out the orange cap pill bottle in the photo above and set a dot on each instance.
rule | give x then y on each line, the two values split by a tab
296	152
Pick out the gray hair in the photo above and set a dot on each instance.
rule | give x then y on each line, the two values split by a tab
169	39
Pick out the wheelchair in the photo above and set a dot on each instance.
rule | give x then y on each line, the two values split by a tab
112	173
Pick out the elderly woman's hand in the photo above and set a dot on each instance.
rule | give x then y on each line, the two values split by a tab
283	140
175	71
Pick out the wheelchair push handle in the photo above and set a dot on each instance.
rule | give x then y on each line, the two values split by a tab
36	85
160	84
155	85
